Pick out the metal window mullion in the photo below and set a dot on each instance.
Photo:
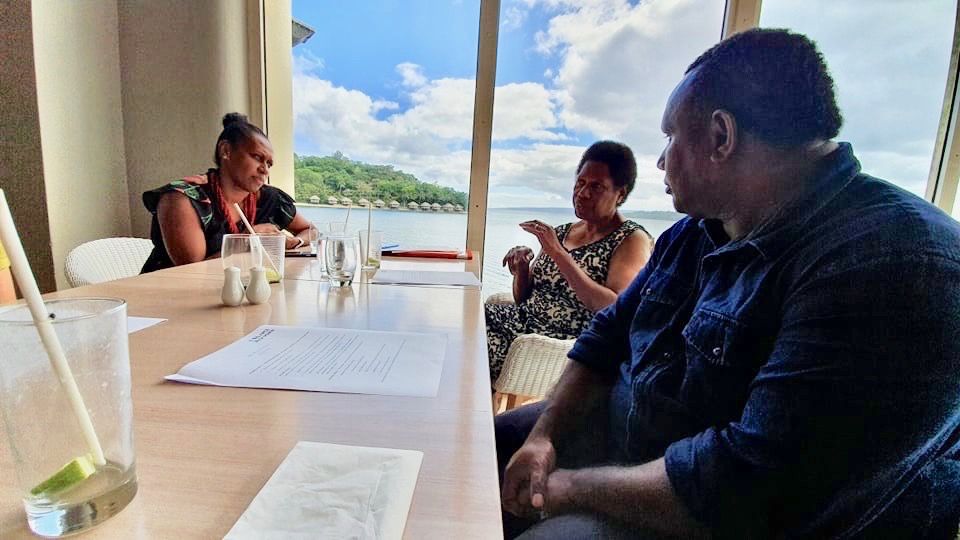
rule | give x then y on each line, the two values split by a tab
740	15
945	164
482	127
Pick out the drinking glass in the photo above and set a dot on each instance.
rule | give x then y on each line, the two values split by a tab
242	251
274	251
64	491
340	254
371	244
313	238
337	227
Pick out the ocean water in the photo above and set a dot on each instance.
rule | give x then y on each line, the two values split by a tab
415	229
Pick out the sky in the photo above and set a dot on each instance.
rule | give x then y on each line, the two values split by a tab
392	82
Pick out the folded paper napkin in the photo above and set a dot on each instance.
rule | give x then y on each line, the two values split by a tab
333	491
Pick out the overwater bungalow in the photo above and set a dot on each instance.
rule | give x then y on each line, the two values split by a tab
314	199
332	200
448	207
459	208
412	205
378	203
394	204
435	207
425	206
346	201
362	202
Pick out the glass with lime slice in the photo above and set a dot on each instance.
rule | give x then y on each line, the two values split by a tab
64	489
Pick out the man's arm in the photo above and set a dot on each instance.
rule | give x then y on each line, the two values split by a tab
579	392
640	495
583	387
858	393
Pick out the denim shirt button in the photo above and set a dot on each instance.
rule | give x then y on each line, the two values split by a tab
648	292
716	351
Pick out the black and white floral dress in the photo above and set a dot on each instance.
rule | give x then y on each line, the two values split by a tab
552	309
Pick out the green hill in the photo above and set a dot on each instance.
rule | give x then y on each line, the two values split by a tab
338	176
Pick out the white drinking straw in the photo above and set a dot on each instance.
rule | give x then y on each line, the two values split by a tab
28	286
249	227
345	221
366	255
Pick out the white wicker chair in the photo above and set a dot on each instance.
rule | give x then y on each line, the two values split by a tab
532	367
106	259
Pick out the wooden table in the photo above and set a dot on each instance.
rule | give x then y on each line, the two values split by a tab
204	452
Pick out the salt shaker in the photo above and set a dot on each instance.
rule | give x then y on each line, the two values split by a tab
258	291
232	293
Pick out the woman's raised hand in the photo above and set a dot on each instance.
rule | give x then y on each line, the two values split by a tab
518	258
545	234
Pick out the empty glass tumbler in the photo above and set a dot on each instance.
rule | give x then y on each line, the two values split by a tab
340	255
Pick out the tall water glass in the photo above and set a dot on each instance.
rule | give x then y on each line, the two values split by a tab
241	250
337	227
371	245
313	238
340	254
274	252
63	490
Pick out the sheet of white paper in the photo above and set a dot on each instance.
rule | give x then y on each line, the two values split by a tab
333	491
135	324
325	360
425	277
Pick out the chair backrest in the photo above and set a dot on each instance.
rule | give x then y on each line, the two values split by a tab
106	259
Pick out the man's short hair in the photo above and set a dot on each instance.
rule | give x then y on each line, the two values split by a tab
774	82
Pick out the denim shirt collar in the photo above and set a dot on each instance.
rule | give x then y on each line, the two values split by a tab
835	172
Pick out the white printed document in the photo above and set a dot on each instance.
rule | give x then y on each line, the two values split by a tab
135	324
325	360
333	491
425	277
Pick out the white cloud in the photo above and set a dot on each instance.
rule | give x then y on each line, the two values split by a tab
512	18
412	74
611	66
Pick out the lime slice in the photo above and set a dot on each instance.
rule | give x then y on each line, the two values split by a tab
272	276
68	476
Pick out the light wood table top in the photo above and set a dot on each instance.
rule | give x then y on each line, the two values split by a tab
203	452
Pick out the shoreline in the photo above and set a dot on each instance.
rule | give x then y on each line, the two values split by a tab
363	208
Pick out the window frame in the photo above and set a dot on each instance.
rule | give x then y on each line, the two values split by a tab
739	15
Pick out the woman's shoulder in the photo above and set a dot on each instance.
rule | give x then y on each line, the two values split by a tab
193	188
273	193
629	230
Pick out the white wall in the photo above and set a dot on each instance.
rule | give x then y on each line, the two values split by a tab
81	126
21	157
183	65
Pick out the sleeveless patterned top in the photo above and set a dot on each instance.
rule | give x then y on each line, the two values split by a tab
553	307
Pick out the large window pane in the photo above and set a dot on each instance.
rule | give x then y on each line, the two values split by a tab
570	73
383	111
889	60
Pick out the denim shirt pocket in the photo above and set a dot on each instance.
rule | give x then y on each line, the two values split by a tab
661	296
723	357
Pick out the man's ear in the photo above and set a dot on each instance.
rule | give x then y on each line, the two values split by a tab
723	135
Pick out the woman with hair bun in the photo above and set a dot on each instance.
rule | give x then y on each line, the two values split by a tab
191	215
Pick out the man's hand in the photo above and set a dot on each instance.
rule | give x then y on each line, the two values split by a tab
525	478
559	497
546	235
518	259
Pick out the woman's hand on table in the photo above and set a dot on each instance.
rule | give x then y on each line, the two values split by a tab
518	259
546	235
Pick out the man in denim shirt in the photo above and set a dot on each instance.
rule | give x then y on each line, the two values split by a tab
788	362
